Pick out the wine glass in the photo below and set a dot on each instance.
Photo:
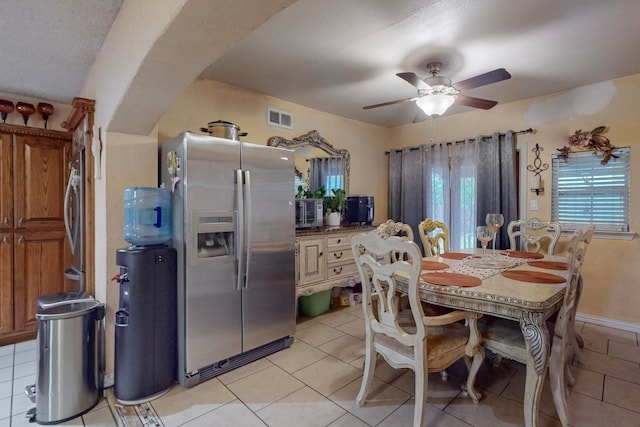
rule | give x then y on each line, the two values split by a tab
494	222
483	233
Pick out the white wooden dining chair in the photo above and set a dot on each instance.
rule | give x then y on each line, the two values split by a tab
505	338
418	342
405	232
528	235
434	236
574	337
395	228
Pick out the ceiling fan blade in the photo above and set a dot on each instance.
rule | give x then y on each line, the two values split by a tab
470	101
414	80
483	79
398	101
421	116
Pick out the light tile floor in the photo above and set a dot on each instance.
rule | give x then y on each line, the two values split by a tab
314	383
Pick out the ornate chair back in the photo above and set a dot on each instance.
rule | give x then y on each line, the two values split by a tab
527	235
421	343
393	228
434	236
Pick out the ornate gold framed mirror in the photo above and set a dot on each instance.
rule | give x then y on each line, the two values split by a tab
311	145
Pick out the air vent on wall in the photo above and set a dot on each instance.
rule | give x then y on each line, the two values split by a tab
279	118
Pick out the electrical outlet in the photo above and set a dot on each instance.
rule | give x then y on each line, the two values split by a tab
108	380
533	205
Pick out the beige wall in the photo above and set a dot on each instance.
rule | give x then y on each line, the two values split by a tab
131	162
205	101
611	265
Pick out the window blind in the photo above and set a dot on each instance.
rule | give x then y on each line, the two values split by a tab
586	192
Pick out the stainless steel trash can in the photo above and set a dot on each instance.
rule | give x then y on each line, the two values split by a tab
70	360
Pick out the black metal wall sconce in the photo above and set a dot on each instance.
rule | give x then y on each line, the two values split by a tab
536	168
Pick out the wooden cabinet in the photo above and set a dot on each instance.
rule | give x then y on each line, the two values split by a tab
324	259
33	252
312	266
6	283
39	263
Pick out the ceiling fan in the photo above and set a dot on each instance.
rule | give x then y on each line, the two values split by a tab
436	93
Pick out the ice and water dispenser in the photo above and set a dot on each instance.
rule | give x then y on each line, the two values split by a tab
145	363
215	235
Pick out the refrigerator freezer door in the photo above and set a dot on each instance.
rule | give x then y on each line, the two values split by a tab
212	302
269	294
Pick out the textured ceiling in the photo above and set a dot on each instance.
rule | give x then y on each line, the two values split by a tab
49	46
338	56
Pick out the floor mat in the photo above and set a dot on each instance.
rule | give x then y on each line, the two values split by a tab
142	415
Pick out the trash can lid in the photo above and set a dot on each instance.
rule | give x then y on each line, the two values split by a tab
64	311
48	300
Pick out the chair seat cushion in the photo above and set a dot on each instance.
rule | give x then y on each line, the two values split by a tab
448	340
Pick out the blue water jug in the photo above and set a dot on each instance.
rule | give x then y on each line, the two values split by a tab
147	215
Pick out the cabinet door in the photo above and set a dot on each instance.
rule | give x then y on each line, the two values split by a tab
312	264
6	182
6	283
39	266
39	182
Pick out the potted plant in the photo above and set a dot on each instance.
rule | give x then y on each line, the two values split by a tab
307	194
333	206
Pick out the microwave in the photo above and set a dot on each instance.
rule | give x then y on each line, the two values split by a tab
309	213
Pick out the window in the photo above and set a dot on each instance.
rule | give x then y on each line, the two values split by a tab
586	192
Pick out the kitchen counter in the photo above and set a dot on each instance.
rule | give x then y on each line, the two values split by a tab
344	228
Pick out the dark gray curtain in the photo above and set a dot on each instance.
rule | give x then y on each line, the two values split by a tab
495	176
406	187
496	180
327	171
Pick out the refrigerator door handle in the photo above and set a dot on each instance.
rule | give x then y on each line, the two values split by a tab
240	229
247	223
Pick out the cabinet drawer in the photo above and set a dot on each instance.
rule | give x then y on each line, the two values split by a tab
339	256
340	240
334	272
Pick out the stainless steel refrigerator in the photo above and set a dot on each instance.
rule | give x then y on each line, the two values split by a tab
234	231
74	217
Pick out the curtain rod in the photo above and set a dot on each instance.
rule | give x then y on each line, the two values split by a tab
520	132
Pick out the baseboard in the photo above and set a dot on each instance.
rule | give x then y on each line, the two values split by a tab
609	323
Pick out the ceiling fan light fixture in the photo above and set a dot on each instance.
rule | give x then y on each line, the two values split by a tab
435	104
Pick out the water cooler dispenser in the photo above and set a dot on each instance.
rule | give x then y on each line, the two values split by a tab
145	363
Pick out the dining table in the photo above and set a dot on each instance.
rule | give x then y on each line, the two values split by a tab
524	287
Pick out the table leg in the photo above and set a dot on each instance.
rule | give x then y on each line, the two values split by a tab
536	336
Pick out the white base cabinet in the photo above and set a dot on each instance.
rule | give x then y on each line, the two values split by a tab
324	259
